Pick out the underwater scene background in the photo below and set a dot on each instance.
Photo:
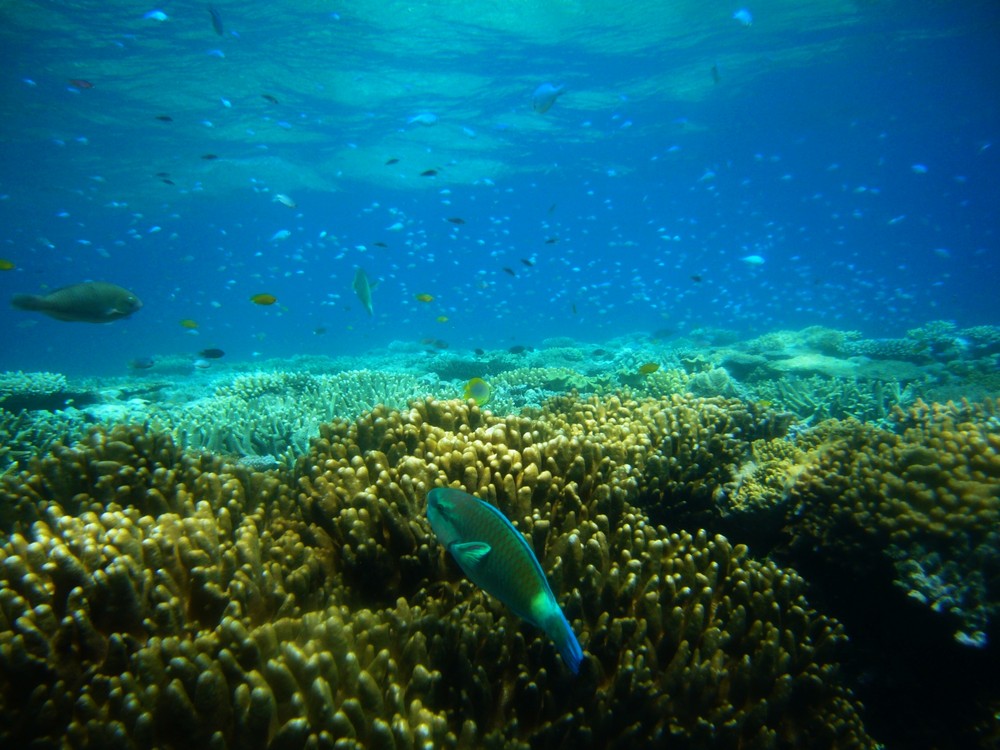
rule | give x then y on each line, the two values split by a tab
700	296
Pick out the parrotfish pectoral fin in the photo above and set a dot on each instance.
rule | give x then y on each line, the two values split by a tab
470	554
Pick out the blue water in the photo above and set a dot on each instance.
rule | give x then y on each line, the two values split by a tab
854	147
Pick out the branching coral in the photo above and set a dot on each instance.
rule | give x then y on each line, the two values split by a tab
32	390
277	413
153	597
816	398
926	497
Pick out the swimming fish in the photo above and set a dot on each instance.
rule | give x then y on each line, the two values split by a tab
263	299
496	557
189	324
216	19
423	297
649	368
363	288
478	390
744	16
211	354
89	302
753	260
6	265
545	96
424	118
284	200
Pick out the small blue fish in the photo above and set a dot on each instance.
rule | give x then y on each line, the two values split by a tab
496	557
545	96
424	118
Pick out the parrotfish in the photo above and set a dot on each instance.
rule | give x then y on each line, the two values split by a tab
363	288
496	557
545	96
89	302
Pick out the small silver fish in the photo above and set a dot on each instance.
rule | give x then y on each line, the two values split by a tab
496	557
545	96
363	288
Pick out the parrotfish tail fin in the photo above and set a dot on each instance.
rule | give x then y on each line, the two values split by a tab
561	633
27	302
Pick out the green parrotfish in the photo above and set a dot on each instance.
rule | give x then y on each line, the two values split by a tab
497	558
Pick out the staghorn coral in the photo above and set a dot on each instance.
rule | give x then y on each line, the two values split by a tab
32	390
276	413
925	498
153	597
817	398
26	434
522	387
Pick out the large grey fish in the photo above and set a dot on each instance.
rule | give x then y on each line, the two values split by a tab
89	302
363	288
496	557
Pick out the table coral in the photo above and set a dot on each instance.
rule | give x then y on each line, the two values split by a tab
155	597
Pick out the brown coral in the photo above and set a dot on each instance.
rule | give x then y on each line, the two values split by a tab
154	597
925	498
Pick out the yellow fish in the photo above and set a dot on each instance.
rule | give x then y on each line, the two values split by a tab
189	324
263	299
6	265
424	298
478	390
649	368
442	318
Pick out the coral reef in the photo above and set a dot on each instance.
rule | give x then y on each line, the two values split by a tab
157	597
816	398
925	498
32	390
277	413
26	434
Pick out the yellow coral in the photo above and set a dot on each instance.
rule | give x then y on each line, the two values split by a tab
153	597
